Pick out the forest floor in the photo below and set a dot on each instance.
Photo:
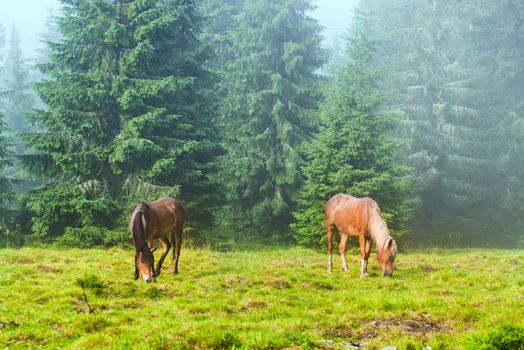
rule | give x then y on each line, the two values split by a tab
256	299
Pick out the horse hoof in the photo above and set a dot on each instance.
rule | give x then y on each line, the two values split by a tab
157	272
364	275
175	273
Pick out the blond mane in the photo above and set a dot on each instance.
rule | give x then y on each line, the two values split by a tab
378	229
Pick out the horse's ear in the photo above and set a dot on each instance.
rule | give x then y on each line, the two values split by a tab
390	242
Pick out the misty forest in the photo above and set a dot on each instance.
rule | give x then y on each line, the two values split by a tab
244	113
238	110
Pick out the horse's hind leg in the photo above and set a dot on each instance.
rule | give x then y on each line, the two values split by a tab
329	236
178	244
165	249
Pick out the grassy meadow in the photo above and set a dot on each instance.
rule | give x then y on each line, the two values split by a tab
256	299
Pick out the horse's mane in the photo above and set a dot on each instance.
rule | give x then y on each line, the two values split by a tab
379	231
138	230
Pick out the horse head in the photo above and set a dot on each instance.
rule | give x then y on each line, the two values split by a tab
145	264
144	259
386	257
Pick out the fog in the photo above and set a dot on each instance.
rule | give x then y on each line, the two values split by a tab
416	104
29	16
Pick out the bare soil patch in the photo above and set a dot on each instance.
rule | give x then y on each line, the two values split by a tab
415	325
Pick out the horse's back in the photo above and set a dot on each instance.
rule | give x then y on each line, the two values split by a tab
164	215
345	202
349	214
166	202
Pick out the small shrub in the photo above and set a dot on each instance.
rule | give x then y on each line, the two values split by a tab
84	237
92	283
153	293
504	337
117	237
93	237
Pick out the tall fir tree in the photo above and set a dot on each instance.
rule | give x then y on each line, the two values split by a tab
454	143
2	43
49	35
5	155
18	104
220	22
270	108
354	151
2	37
128	116
5	183
19	99
495	36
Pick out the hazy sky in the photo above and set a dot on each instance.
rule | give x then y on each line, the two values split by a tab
334	15
30	16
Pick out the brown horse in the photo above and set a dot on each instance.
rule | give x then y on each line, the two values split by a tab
162	219
359	217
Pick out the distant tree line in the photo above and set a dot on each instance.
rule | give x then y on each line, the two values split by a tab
458	78
232	107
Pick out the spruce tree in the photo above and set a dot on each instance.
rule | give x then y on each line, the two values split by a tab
127	118
454	143
495	38
18	104
354	151
220	22
50	35
6	161
18	98
272	96
2	41
5	183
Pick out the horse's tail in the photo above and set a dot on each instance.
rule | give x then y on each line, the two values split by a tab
138	227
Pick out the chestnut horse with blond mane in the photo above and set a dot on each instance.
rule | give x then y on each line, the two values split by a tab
359	217
162	219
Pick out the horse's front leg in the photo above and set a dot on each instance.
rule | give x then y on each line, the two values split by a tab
136	268
365	248
367	251
165	249
342	251
151	246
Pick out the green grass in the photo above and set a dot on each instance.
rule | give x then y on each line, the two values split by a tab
265	298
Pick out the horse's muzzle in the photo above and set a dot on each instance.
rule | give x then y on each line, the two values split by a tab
387	273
